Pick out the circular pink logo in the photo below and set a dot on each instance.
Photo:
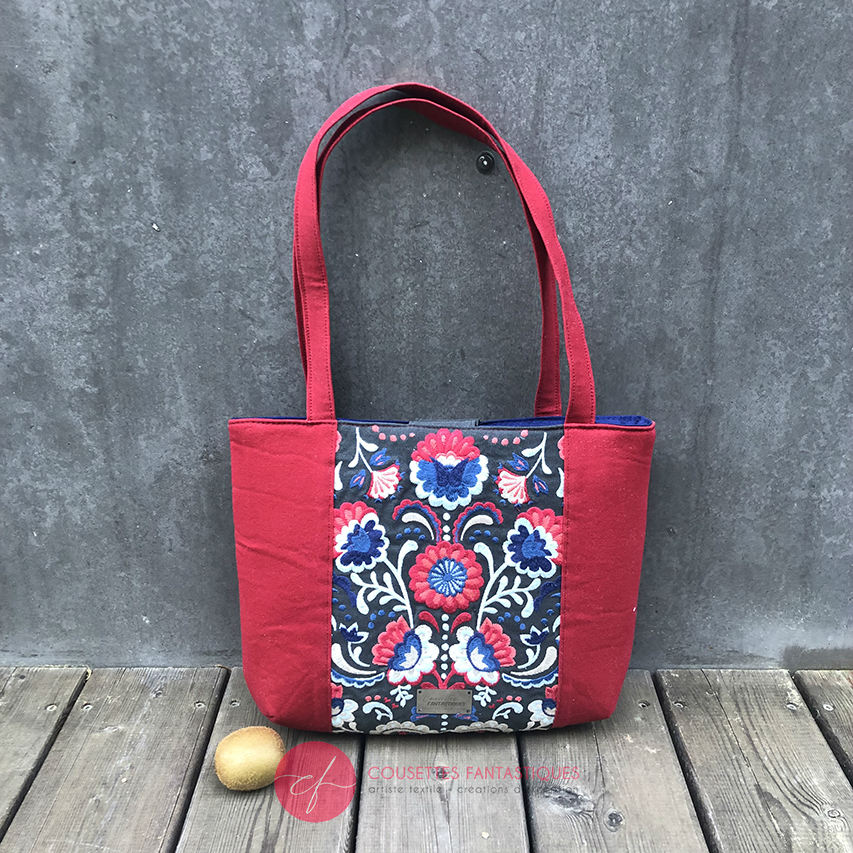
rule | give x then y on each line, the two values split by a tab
315	781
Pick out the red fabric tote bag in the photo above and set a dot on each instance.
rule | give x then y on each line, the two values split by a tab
448	576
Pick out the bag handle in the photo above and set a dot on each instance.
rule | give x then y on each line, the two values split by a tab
311	286
548	401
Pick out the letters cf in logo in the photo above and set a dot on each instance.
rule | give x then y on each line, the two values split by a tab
315	781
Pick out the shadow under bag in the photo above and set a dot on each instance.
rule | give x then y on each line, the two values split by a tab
434	577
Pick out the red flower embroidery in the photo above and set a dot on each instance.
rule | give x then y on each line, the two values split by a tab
408	653
513	487
446	576
494	636
449	447
479	655
383	483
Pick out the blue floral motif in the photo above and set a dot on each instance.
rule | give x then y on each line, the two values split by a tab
532	545
352	634
530	552
407	653
360	540
447	577
447	469
448	484
363	545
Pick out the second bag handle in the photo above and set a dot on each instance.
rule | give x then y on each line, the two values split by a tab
311	285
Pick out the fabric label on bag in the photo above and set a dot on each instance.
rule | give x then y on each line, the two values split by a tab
439	701
446	577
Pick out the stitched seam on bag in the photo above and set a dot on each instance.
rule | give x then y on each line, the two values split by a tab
310	383
562	680
566	309
284	422
557	392
302	296
619	427
330	556
300	302
309	370
555	383
325	329
532	226
569	348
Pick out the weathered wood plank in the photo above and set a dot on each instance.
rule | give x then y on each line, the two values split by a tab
629	792
470	809
220	821
121	769
830	697
762	776
34	702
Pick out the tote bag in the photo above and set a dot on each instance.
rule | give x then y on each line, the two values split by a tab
451	576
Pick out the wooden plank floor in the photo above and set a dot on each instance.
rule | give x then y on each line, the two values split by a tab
121	770
762	775
830	697
720	760
629	793
33	706
220	820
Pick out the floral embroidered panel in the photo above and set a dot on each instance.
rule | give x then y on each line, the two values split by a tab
446	575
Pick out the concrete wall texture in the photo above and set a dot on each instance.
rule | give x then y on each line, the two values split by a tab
697	157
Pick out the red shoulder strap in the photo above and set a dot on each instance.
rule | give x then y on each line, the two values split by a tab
311	286
548	401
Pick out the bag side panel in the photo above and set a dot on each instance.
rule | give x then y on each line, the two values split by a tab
282	476
605	498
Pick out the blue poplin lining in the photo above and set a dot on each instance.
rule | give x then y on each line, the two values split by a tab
546	421
617	420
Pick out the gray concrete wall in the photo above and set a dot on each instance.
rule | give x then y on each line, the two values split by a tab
697	157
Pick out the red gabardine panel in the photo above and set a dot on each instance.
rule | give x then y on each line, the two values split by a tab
604	524
283	493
